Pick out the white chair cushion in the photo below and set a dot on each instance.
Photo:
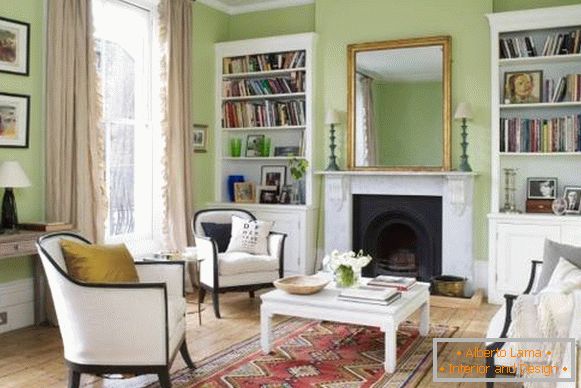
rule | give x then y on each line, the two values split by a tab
233	263
244	279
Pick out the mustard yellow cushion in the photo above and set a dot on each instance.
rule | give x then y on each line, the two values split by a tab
99	263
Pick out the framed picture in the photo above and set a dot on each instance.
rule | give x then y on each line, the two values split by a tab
14	46
572	195
285	194
267	194
542	188
253	143
523	87
200	138
14	120
287	151
273	176
244	192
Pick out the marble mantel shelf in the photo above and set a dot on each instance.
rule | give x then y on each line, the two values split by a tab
399	173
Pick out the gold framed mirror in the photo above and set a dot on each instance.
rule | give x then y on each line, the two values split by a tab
399	105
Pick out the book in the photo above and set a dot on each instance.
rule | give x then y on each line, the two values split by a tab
398	282
45	226
371	295
375	302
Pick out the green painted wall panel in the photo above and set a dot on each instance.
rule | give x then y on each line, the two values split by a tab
515	5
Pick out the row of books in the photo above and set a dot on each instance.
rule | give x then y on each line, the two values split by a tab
561	134
295	83
263	114
555	44
566	88
264	62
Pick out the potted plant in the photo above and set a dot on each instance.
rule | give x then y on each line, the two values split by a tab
298	169
346	266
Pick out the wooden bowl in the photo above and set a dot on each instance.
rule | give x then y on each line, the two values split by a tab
301	284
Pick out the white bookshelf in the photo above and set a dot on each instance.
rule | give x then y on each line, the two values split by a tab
515	239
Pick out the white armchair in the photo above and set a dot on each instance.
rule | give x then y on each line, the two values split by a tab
133	328
234	271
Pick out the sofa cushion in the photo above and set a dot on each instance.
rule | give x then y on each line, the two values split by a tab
250	236
221	233
565	278
232	263
552	253
99	263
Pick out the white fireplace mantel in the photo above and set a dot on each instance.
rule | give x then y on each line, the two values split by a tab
455	188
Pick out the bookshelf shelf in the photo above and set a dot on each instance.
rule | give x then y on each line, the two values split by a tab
541	105
262	74
266	129
280	96
540	60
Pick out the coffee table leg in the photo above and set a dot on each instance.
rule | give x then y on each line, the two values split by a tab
390	346
425	319
265	330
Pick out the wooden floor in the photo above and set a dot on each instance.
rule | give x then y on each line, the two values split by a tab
33	357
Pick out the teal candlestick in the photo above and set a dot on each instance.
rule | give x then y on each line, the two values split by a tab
464	165
332	158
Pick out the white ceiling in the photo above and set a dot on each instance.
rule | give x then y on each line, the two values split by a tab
407	64
234	7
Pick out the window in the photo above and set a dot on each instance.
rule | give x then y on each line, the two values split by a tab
124	41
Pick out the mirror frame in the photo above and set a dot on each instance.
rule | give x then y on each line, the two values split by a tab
353	49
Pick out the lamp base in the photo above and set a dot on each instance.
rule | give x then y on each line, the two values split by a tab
9	217
332	165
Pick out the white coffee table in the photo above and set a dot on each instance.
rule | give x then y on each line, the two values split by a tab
324	305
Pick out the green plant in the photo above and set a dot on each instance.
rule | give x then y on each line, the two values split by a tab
298	168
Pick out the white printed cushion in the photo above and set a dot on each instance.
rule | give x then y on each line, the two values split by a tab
250	236
565	278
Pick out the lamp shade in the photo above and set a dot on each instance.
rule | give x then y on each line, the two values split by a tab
12	175
463	111
332	117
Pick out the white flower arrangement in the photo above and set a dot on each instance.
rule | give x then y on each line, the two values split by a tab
346	266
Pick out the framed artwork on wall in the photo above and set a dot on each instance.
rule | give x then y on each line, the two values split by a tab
14	120
200	138
14	46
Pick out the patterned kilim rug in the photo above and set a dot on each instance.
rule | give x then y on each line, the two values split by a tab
317	354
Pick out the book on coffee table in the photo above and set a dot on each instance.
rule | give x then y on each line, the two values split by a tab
370	295
398	282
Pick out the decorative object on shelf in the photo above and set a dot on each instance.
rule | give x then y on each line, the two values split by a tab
273	176
542	188
236	147
14	120
509	191
287	151
301	284
298	168
244	192
464	113
523	87
11	176
539	206
200	138
265	147
253	143
268	194
285	195
14	46
572	195
231	180
347	266
332	119
559	206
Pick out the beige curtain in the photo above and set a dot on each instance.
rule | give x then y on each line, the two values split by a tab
176	39
75	179
369	119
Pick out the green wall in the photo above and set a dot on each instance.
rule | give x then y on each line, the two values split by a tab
408	117
514	5
30	201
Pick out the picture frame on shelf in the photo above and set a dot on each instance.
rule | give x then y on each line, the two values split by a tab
200	138
14	46
14	120
253	145
572	194
523	87
244	192
268	194
285	195
287	151
273	176
542	188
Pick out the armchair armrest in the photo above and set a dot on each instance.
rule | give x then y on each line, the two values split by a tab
509	298
276	249
172	273
208	250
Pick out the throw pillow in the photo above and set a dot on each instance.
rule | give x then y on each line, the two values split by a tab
566	278
219	232
99	263
250	236
552	253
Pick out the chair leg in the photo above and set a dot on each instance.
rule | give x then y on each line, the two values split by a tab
216	301
74	379
186	355
164	380
251	293
201	295
490	372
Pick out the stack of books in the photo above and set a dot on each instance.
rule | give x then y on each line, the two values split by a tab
370	295
396	282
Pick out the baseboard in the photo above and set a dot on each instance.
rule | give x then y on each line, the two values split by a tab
17	300
481	275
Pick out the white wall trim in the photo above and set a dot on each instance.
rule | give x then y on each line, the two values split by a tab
17	299
247	8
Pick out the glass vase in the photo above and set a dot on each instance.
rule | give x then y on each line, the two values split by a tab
347	277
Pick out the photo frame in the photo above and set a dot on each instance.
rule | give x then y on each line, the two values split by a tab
268	194
14	120
253	143
244	192
200	138
285	195
542	188
523	87
14	47
287	151
572	194
273	176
